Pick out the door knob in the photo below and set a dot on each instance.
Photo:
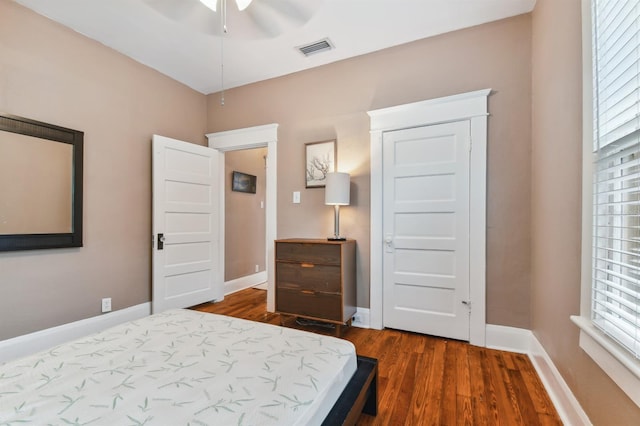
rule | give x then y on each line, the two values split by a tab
388	242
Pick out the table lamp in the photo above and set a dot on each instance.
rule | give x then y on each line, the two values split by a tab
337	192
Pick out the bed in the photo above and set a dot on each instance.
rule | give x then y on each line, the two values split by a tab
188	367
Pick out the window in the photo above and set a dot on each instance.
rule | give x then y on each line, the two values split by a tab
615	299
610	308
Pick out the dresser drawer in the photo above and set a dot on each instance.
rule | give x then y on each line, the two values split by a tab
316	279
326	254
308	303
308	276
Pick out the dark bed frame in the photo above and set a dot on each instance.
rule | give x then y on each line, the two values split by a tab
360	395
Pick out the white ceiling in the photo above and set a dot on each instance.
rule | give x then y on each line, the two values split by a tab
181	38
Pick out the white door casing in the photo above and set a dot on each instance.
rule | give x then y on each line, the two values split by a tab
246	138
470	106
426	229
185	236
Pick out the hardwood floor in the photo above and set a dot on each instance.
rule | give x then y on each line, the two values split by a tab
426	380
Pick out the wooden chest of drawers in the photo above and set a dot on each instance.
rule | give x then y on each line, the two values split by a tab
316	279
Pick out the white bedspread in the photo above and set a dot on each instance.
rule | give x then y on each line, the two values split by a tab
176	368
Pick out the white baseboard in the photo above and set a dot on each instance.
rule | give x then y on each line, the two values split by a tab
26	344
245	282
524	341
362	318
510	339
566	403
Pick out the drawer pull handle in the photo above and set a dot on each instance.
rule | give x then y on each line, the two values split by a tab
307	265
308	292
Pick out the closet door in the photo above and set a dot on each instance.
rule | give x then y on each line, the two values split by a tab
426	229
186	217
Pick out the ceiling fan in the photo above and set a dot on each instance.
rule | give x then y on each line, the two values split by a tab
212	4
251	19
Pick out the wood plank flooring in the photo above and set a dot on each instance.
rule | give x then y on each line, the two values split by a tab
426	380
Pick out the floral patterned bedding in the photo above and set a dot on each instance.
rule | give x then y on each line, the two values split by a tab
180	367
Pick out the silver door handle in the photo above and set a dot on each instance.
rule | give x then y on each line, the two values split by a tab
388	242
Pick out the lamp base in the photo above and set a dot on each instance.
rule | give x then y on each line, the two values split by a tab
336	239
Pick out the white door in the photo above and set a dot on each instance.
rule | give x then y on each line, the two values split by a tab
426	229
185	225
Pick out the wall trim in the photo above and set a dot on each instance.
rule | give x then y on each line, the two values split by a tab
510	339
37	341
362	318
524	341
245	138
244	282
621	366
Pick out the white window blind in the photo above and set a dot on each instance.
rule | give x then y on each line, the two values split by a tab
616	233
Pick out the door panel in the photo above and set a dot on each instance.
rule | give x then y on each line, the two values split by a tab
186	213
426	229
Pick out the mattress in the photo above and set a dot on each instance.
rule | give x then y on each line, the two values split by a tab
180	367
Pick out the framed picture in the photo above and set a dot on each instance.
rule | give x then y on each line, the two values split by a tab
320	159
242	182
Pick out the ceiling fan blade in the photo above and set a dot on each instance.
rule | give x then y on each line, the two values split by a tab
261	18
273	17
191	13
211	4
296	11
243	4
174	10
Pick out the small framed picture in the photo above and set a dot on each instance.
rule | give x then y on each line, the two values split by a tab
320	159
242	182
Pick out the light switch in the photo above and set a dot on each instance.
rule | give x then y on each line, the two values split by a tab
296	197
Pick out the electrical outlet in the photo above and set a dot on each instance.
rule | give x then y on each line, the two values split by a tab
257	268
106	304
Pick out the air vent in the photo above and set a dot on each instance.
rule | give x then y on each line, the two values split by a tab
315	47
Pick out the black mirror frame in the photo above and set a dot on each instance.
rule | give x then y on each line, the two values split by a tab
24	126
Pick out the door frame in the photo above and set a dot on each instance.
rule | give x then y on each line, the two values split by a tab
247	138
470	106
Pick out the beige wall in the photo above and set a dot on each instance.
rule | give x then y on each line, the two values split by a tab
556	209
245	224
50	73
331	102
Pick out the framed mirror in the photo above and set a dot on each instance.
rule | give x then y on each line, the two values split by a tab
40	185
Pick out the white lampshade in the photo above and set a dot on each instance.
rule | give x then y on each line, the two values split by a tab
337	189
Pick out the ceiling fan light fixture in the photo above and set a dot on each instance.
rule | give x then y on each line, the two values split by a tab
211	4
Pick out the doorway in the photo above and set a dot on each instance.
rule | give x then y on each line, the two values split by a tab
245	224
469	107
247	138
